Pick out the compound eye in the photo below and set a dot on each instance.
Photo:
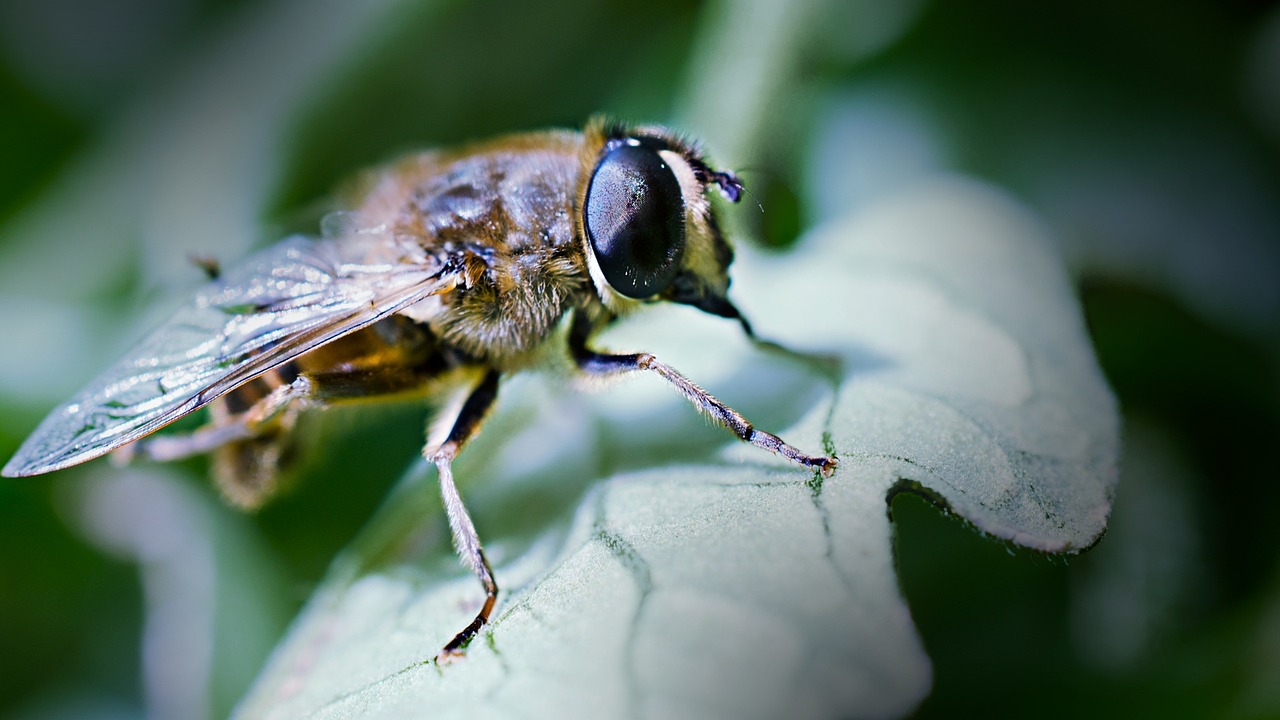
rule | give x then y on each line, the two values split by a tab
635	220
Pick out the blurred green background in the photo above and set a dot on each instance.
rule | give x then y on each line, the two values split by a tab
137	132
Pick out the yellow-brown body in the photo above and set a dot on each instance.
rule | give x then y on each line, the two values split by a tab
506	217
448	270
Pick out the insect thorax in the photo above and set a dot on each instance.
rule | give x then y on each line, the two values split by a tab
500	216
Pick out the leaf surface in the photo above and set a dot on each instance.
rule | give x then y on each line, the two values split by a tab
644	574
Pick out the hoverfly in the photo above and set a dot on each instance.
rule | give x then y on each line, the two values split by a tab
454	268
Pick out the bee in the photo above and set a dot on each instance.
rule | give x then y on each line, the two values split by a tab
454	268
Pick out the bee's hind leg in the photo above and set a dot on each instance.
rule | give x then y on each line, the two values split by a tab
223	430
465	538
249	447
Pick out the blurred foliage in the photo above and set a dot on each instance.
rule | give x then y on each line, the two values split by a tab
1140	131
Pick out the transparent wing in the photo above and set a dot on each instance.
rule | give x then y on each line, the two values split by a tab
278	304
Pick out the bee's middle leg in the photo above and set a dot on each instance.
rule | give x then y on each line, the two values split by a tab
465	537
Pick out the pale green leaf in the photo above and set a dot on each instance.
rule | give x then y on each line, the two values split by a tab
646	575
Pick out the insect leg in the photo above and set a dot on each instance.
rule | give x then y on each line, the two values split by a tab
465	537
164	448
604	364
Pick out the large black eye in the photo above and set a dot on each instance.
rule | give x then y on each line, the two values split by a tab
635	220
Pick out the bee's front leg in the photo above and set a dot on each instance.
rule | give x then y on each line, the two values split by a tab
596	363
465	538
